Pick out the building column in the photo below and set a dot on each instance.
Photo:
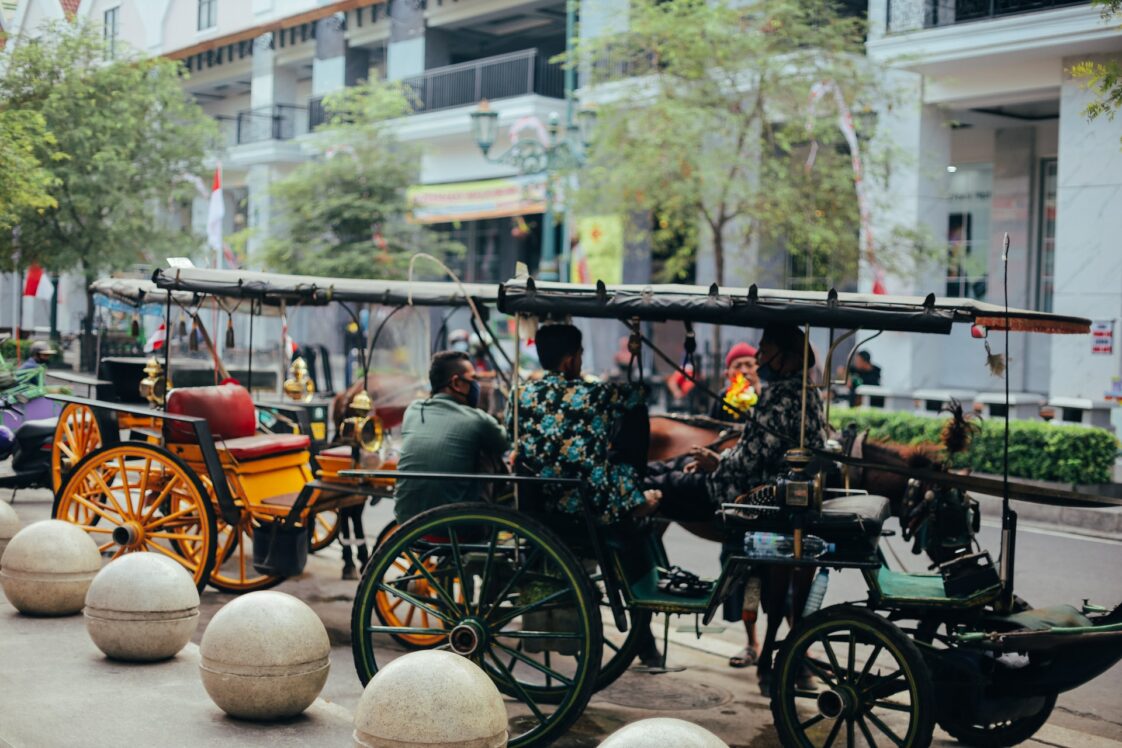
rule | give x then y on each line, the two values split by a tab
1088	263
330	63
269	84
405	52
910	198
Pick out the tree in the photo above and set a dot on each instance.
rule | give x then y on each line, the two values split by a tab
1103	78
344	212
707	122
26	183
129	132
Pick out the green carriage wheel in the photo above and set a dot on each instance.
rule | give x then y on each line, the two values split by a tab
998	734
509	596
871	684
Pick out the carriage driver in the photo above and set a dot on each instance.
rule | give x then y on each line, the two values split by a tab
757	457
566	428
446	433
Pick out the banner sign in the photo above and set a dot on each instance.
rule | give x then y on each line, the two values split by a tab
1102	337
598	255
474	201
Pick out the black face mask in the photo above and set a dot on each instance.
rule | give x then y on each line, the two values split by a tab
473	394
765	371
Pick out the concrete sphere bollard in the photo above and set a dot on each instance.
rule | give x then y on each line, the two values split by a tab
265	656
431	699
142	607
47	568
9	525
663	732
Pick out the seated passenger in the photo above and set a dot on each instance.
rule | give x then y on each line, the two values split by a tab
565	426
446	433
757	457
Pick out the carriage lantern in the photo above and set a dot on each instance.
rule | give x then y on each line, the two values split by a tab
154	385
299	386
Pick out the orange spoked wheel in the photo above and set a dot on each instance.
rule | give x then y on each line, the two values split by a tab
76	435
139	497
397	612
233	563
325	528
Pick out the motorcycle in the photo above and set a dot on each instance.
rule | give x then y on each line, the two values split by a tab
29	446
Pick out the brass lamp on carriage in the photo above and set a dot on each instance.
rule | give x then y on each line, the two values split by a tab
362	429
299	386
154	386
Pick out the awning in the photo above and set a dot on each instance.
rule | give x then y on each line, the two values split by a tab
473	201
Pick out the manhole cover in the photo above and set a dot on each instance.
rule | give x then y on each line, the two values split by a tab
657	692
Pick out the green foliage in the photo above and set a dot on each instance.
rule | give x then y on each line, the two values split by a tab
344	211
1037	450
1103	78
26	183
708	118
128	130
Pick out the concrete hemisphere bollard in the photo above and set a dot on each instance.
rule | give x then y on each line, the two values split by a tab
431	699
9	525
265	656
663	732
47	568
142	607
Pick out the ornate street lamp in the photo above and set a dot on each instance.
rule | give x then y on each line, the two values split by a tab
564	150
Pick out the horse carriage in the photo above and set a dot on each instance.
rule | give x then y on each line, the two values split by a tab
553	606
200	479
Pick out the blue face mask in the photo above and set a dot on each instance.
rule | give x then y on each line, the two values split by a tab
473	394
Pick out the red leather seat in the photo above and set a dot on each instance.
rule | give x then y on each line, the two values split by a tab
229	411
262	445
343	450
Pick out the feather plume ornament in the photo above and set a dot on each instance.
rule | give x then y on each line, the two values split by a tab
995	362
193	342
959	429
230	331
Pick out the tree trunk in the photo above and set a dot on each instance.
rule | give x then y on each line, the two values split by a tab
719	265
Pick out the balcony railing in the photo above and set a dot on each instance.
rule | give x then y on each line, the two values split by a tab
278	122
317	114
514	74
945	12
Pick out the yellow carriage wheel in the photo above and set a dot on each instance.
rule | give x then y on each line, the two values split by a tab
139	497
233	564
325	528
76	435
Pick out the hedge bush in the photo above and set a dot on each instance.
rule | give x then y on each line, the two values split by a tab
1037	450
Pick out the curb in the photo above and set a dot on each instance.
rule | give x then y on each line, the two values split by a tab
1101	523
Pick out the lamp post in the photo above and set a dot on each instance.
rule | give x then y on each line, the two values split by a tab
562	150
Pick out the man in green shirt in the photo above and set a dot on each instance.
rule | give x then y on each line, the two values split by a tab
446	433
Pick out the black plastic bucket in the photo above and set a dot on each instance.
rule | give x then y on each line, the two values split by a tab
278	550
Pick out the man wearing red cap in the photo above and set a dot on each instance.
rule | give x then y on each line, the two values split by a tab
740	371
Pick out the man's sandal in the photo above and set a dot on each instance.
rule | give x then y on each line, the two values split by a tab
745	658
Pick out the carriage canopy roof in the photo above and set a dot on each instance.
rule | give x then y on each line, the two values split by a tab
757	307
273	288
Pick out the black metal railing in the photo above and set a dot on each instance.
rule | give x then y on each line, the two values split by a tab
317	114
227	130
278	122
947	12
502	76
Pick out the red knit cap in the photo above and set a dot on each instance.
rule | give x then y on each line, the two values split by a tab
740	350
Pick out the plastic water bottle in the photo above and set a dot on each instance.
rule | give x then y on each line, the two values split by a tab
778	545
817	592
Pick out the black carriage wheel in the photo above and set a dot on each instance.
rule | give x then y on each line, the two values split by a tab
998	734
870	686
507	594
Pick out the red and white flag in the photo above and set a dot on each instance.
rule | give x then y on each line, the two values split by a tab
215	214
156	342
38	284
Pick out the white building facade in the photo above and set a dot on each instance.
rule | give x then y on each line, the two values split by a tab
991	117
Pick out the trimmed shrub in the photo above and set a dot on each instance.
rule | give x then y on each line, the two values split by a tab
1065	453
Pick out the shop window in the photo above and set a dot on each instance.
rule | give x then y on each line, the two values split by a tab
968	231
1046	263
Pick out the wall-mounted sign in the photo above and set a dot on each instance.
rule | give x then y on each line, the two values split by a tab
1102	337
474	201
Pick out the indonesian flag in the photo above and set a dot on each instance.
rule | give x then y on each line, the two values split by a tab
38	284
156	342
215	214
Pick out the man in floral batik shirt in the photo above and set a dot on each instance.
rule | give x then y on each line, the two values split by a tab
565	429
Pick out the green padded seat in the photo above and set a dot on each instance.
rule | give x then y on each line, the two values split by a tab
1042	619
